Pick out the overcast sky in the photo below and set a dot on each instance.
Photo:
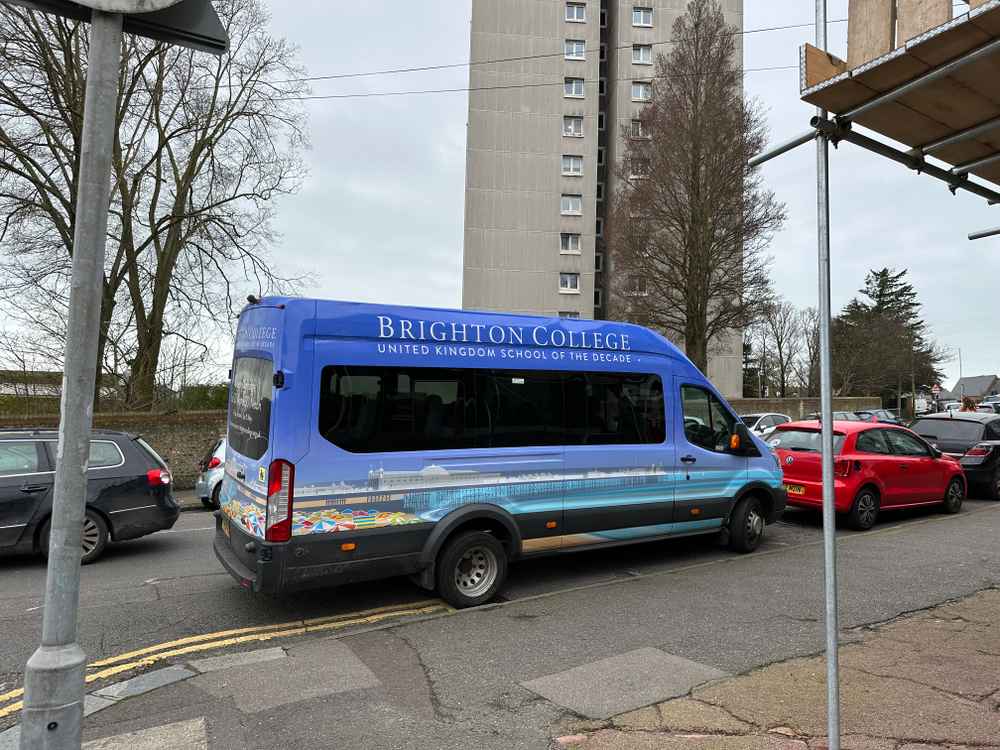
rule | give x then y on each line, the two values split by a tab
380	216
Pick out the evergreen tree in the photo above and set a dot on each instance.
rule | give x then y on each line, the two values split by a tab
880	339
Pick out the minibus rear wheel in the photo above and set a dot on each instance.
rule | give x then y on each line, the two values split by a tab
471	569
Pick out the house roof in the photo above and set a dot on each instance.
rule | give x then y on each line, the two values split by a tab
977	386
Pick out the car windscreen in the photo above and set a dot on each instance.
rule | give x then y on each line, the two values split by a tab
250	406
950	430
802	440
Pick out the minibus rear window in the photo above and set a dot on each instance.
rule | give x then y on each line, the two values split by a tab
395	409
250	406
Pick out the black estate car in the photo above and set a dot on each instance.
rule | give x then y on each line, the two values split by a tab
128	491
973	437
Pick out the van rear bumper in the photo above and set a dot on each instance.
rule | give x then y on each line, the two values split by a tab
278	569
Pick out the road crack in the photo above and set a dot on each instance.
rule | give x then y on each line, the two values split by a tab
442	711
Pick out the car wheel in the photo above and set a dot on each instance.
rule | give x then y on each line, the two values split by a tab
471	569
212	503
93	540
995	486
864	511
746	525
954	496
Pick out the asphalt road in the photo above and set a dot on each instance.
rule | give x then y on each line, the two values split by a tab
688	597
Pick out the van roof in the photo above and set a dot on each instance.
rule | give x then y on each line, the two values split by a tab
358	320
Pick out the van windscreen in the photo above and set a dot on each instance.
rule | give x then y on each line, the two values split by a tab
250	406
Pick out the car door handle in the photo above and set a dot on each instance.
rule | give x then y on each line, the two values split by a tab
689	460
33	489
241	475
904	467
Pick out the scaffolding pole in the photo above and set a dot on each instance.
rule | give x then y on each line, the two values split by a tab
984	234
826	413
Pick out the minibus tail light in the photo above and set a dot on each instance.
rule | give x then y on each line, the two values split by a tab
215	463
280	485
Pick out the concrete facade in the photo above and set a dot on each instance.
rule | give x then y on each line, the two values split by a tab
519	242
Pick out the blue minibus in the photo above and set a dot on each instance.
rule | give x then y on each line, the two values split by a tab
368	441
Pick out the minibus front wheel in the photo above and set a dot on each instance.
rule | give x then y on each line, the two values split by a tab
471	569
746	525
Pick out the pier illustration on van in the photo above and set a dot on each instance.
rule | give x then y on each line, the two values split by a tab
436	489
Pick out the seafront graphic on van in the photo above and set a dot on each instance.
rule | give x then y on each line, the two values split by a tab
429	494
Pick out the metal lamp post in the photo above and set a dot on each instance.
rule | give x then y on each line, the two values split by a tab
54	676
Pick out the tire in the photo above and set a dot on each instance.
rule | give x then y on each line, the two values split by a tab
864	510
212	503
95	538
471	569
954	496
746	525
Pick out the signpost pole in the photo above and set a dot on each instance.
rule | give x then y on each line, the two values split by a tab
54	676
826	393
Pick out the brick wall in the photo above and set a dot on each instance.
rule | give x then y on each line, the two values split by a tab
800	408
180	437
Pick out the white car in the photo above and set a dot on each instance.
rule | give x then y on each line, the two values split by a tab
212	469
762	424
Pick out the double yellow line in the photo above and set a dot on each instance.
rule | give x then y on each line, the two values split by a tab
145	657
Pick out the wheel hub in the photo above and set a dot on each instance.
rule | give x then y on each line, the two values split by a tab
91	535
476	571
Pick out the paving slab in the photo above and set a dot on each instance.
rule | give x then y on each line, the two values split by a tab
242	659
144	683
181	735
683	715
621	683
610	739
313	670
94	703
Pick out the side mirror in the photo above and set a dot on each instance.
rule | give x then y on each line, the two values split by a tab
741	443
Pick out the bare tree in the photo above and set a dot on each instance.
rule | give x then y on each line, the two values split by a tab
203	146
807	364
691	222
782	328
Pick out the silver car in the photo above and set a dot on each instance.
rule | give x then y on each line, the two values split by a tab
212	468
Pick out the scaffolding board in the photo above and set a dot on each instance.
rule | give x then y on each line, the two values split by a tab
955	116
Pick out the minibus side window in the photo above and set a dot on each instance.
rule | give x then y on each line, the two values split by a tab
523	408
395	409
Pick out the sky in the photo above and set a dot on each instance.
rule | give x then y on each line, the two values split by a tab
381	211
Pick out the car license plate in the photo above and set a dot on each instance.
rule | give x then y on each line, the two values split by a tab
225	527
795	489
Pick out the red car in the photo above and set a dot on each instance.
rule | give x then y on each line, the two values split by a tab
877	467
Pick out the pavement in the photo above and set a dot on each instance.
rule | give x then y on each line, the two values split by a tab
188	500
930	680
925	681
574	644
